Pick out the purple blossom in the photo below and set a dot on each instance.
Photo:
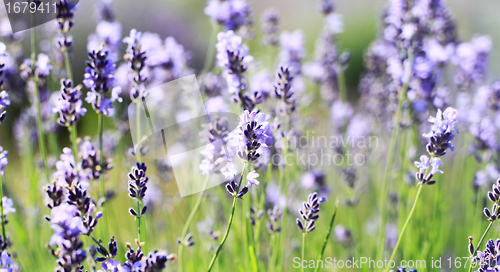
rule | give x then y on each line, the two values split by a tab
252	178
423	164
111	266
3	160
69	105
99	78
292	50
436	163
8	206
232	14
230	170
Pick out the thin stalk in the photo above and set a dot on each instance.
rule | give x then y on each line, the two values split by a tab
100	245
327	238
39	123
393	255
390	159
211	49
138	128
303	248
223	238
342	85
481	242
272	262
72	138
1	210
231	217
258	224
189	220
139	220
100	124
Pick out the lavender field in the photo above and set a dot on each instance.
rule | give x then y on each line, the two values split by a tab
238	135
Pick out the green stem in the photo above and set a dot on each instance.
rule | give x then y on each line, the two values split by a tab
73	136
342	85
138	128
139	220
223	238
1	210
100	124
327	238
481	242
272	262
393	255
303	248
219	248
258	224
390	159
189	220
68	65
39	123
211	49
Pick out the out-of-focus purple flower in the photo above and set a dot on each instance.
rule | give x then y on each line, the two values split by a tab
136	58
3	160
471	60
252	178
270	27
8	206
292	50
232	14
230	170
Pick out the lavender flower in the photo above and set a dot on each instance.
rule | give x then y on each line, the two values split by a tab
232	14
471	60
442	131
137	183
40	70
8	206
154	261
233	58
4	96
99	78
282	90
3	160
493	196
136	59
292	50
65	23
274	217
309	213
270	27
488	259
252	134
69	105
68	227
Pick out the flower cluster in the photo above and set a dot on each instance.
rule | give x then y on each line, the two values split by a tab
309	213
235	189
471	60
137	186
440	136
274	215
136	59
441	132
67	226
65	23
493	196
3	160
292	50
99	78
218	149
488	259
270	27
252	134
233	58
40	70
282	90
4	96
69	105
232	14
